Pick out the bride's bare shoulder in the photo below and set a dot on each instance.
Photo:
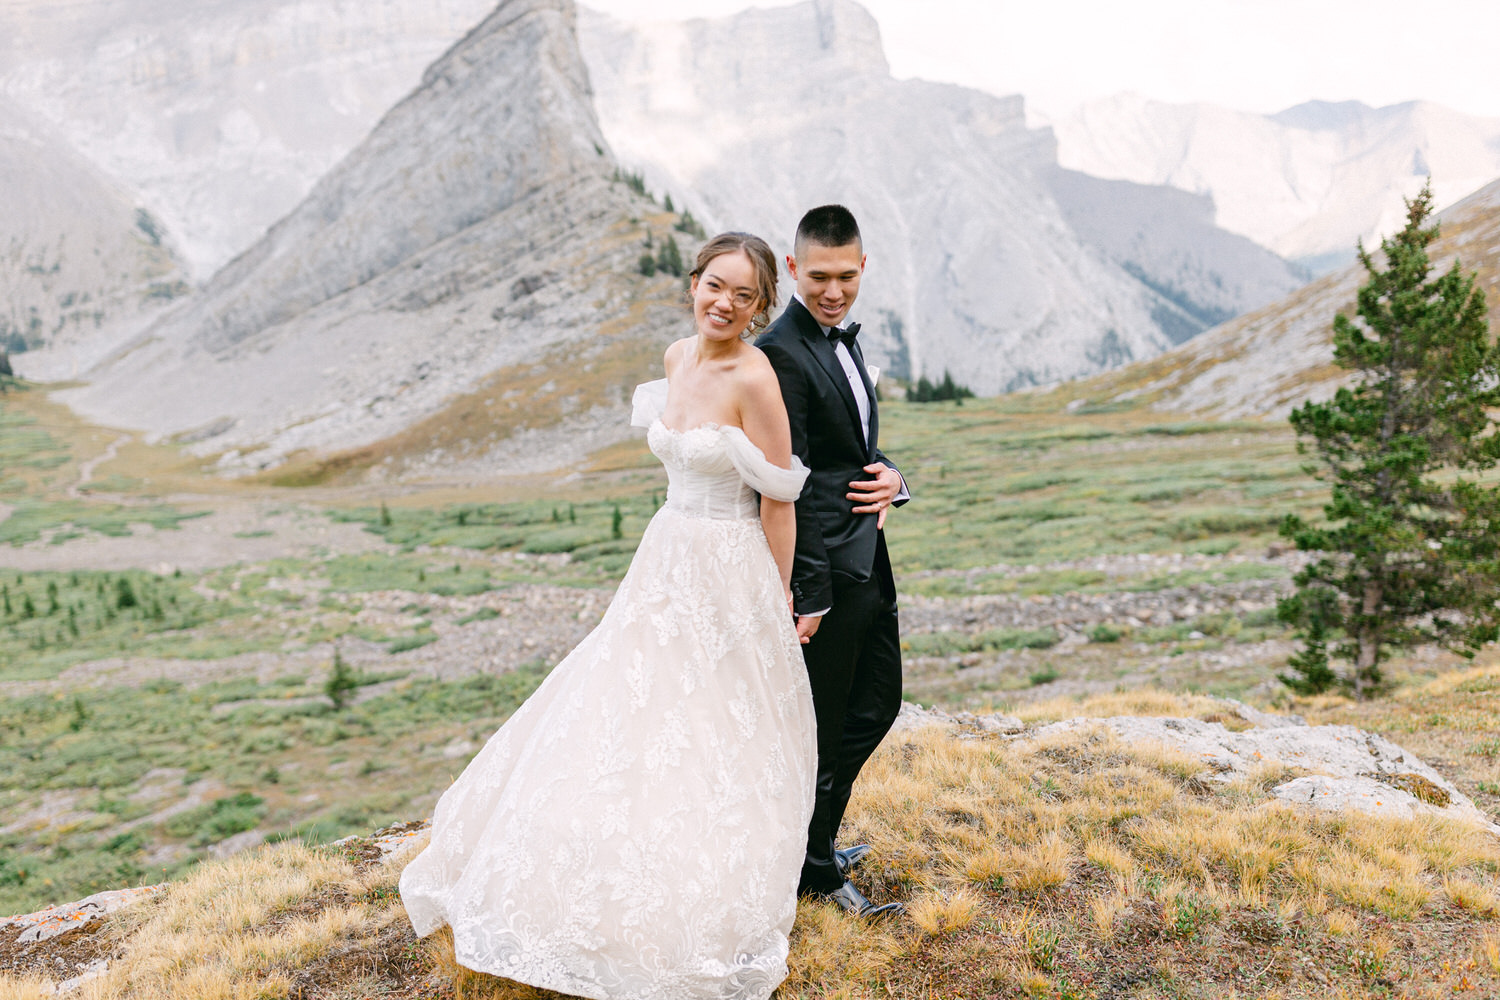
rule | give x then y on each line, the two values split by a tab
674	353
756	377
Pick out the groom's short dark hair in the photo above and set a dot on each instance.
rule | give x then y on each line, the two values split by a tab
827	226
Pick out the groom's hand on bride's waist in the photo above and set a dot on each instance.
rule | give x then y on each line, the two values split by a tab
874	496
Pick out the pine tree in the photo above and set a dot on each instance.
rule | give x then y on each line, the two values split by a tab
669	257
341	681
687	224
1410	551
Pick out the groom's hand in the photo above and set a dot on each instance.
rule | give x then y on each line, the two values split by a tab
874	496
806	626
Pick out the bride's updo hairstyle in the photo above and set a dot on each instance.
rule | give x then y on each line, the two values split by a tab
764	262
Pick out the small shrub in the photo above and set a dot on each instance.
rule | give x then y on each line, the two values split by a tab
1188	913
1041	943
1046	675
406	643
1105	632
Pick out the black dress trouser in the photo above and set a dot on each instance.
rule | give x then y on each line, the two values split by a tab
854	666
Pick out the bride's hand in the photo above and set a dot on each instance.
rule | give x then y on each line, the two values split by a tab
805	626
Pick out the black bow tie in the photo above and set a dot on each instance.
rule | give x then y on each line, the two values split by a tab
847	334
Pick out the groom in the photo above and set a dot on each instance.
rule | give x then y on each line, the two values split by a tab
843	593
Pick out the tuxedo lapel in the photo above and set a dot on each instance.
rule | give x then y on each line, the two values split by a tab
864	376
822	350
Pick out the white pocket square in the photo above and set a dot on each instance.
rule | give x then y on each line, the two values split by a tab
873	372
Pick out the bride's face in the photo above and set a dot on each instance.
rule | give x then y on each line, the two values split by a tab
725	299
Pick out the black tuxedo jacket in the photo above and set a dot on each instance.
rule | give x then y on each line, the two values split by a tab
831	539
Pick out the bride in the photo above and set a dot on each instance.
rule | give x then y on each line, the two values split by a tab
637	828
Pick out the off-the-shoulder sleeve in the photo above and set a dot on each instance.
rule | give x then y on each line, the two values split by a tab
650	402
764	478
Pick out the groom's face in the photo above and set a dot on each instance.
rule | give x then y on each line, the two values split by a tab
827	279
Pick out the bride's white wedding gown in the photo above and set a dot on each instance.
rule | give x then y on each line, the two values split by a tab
637	828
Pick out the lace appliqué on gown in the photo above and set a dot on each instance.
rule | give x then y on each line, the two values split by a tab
636	829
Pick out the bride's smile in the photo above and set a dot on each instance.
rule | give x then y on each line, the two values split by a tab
725	297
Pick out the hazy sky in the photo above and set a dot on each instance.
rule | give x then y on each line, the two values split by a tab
1254	55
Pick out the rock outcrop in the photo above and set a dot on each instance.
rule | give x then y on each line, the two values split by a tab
477	229
1350	769
1328	768
975	265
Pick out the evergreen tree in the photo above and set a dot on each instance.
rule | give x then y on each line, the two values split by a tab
341	681
1410	551
666	202
647	264
669	258
687	224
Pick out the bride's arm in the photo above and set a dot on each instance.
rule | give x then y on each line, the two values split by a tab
763	417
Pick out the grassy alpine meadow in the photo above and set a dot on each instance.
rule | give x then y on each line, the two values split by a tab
215	723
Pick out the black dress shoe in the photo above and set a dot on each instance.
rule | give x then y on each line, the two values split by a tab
849	858
849	899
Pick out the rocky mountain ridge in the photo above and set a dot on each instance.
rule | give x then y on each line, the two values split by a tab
976	266
1306	182
219	117
477	229
1267	362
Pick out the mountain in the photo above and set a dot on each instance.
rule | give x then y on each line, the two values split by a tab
975	265
76	254
1306	182
1266	363
219	116
464	274
1167	240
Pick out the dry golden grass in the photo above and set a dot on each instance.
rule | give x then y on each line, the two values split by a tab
939	915
26	988
1106	910
1471	896
1488	951
1141	701
1025	866
1340	922
241	928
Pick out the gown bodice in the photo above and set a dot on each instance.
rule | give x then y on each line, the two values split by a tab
712	470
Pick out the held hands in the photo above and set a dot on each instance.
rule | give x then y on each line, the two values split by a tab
805	626
874	496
